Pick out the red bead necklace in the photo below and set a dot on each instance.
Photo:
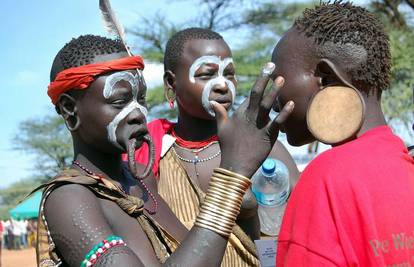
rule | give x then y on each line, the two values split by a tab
193	144
154	200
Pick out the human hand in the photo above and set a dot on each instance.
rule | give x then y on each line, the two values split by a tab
247	137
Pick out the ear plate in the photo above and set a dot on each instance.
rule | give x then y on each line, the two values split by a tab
335	114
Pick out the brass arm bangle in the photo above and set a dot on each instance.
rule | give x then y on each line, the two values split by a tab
233	174
223	233
224	202
233	180
218	190
228	188
214	219
221	226
231	214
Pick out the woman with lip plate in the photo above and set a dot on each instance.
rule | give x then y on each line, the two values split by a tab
199	68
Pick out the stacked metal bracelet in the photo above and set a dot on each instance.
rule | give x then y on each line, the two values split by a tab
100	249
222	203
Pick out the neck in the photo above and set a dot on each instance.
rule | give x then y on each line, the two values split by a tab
194	129
109	165
374	116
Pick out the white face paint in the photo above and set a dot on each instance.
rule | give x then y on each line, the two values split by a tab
109	89
219	80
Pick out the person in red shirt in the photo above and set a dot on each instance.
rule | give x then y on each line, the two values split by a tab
353	204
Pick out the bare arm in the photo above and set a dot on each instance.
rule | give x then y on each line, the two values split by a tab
76	223
248	218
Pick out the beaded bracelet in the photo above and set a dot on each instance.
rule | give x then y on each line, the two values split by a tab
100	249
222	202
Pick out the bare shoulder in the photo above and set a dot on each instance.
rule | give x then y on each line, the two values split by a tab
77	223
73	192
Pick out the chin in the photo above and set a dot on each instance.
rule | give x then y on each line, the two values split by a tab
299	139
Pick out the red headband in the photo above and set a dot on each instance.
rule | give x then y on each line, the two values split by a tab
81	77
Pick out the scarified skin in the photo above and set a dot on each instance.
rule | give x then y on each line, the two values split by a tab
114	257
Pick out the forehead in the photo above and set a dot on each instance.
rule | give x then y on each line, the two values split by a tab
108	57
194	49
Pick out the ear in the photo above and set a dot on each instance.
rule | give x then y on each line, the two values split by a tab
331	73
66	106
169	84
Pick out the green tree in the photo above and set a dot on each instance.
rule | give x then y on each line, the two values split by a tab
49	141
398	102
13	194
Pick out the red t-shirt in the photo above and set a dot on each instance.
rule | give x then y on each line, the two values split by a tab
353	206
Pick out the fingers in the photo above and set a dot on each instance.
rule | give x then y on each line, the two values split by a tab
285	112
269	99
280	119
220	111
256	93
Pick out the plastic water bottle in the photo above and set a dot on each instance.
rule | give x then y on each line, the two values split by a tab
270	185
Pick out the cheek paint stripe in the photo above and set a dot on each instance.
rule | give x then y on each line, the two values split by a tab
113	125
205	97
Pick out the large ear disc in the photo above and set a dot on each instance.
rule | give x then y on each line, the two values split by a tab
335	114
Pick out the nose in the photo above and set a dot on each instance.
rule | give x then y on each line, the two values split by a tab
221	87
136	117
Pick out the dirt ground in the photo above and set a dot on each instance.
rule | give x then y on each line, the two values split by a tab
18	258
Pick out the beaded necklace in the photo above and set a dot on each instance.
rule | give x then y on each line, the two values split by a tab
126	172
193	144
197	159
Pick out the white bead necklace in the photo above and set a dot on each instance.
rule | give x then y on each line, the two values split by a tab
197	159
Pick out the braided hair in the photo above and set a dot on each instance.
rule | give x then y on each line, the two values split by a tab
346	26
82	50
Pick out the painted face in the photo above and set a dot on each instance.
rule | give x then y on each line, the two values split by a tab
112	111
110	82
206	72
298	68
219	80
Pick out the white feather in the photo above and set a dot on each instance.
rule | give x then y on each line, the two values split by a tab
112	24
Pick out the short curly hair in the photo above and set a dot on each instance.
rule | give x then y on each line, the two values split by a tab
82	50
343	24
175	44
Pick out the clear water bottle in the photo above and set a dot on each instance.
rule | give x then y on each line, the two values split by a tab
270	185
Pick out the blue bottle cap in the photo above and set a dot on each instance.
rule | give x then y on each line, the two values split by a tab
269	166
